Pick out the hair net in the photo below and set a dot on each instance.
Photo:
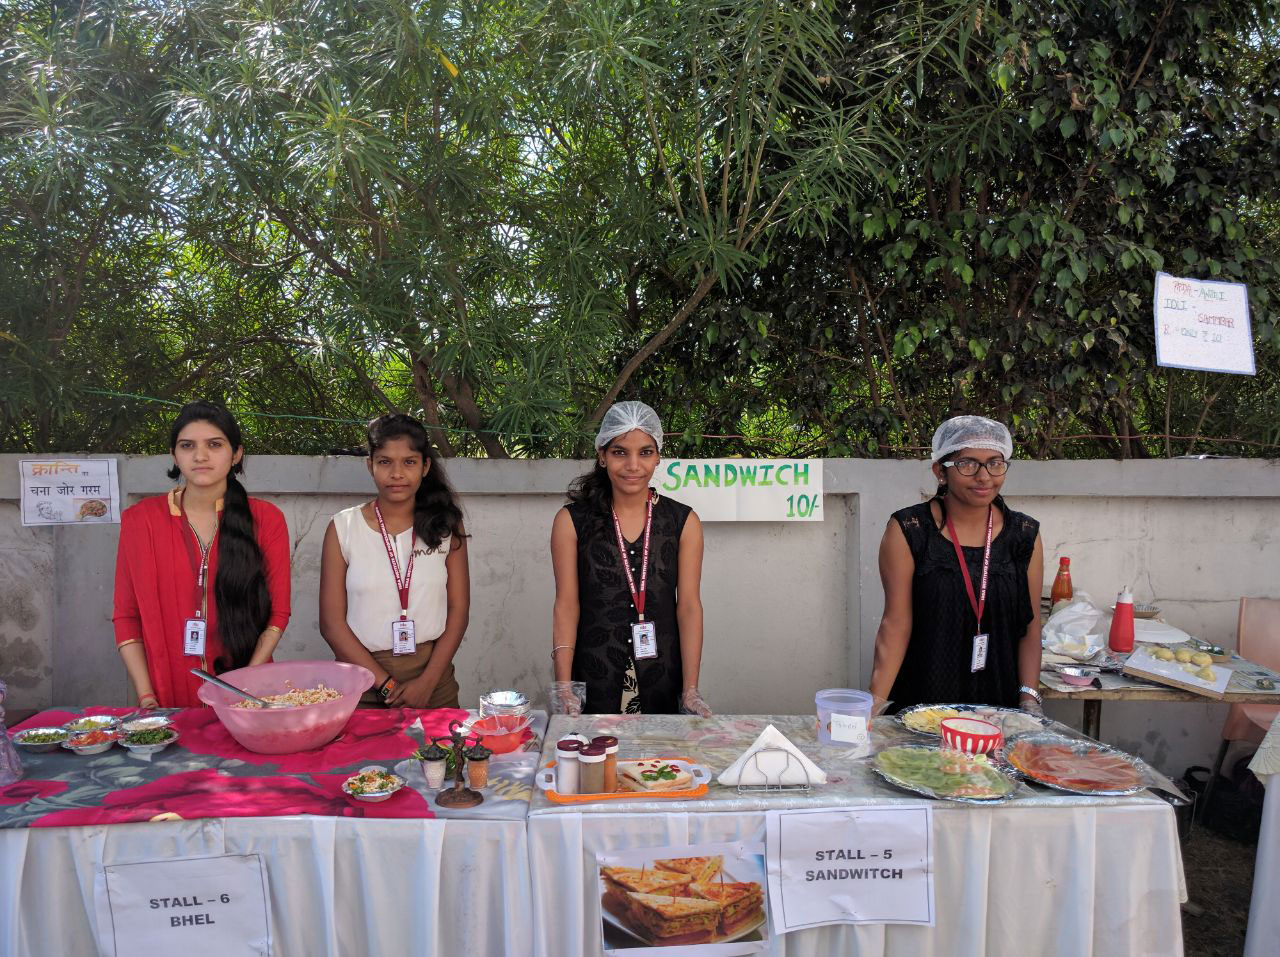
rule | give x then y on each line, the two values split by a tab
971	432
624	417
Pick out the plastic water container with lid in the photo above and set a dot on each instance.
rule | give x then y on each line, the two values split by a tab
844	718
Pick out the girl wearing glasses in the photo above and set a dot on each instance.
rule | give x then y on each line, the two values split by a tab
962	574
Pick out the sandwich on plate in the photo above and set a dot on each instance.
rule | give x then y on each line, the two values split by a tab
653	774
741	902
698	868
673	920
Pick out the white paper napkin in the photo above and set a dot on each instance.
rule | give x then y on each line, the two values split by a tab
772	768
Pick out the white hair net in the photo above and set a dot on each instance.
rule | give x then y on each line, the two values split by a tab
971	432
624	417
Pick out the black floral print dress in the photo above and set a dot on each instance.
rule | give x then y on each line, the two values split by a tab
602	656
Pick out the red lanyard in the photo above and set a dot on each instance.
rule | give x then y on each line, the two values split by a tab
636	596
978	603
199	566
402	587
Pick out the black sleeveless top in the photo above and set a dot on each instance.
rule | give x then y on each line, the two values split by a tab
605	614
936	666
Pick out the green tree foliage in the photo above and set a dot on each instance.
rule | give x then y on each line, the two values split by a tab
820	227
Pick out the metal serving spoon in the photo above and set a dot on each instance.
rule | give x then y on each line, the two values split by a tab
234	690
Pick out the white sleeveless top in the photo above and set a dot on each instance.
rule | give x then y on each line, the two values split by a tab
372	601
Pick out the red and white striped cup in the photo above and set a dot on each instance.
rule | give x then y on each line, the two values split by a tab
970	735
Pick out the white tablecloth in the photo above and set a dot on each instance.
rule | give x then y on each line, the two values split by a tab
338	886
1046	874
1264	915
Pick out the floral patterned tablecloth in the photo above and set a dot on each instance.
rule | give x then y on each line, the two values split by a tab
716	743
207	774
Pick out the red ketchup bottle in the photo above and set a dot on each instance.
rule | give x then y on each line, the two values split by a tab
1121	638
1062	590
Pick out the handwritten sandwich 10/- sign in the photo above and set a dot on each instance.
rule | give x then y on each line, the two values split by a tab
1203	325
745	490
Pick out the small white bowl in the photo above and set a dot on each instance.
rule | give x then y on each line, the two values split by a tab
150	748
372	797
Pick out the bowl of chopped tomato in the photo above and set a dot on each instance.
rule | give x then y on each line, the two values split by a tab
91	742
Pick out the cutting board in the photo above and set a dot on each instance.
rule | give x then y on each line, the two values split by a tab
1143	664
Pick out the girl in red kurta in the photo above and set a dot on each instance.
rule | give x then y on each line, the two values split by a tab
202	574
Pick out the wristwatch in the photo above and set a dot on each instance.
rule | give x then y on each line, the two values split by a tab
387	687
1031	692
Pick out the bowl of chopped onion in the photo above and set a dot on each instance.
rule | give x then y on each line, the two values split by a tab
318	699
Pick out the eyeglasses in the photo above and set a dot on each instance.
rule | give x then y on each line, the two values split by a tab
969	467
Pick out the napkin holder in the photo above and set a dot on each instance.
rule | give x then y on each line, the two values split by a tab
768	785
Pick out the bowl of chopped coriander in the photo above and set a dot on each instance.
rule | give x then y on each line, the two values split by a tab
40	739
149	740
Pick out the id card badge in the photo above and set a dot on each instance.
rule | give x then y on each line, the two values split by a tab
979	660
402	637
193	636
644	640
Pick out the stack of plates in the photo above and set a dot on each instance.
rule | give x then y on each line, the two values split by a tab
512	703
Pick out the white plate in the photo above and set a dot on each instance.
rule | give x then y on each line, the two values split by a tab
738	934
1157	632
376	796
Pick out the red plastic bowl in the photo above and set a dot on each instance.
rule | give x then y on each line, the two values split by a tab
288	730
970	735
501	733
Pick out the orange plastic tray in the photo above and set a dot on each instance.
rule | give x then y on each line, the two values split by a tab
700	791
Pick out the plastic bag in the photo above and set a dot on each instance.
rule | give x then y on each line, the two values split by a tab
1077	629
10	765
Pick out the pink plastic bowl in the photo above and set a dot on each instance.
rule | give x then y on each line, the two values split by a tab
287	730
970	735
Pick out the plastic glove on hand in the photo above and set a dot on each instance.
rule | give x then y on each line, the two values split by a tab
564	698
1030	705
691	703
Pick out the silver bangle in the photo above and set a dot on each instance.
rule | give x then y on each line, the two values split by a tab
1032	692
559	648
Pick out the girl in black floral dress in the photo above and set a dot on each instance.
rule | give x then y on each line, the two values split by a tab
630	630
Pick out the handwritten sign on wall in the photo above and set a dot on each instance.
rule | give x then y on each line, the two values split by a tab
70	491
745	490
1203	325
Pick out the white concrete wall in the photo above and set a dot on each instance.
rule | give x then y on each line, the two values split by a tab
790	608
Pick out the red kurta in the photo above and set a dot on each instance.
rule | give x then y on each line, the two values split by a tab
156	589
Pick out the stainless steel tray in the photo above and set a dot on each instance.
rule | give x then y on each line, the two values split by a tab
928	792
1078	746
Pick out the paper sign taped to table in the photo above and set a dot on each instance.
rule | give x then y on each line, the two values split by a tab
863	865
745	490
194	907
694	899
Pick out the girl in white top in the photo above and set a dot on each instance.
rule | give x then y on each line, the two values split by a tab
395	591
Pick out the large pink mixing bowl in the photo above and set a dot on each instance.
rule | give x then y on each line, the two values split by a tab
286	730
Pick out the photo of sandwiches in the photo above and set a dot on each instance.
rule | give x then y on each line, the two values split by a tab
682	901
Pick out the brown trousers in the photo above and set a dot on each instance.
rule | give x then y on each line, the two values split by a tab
407	667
